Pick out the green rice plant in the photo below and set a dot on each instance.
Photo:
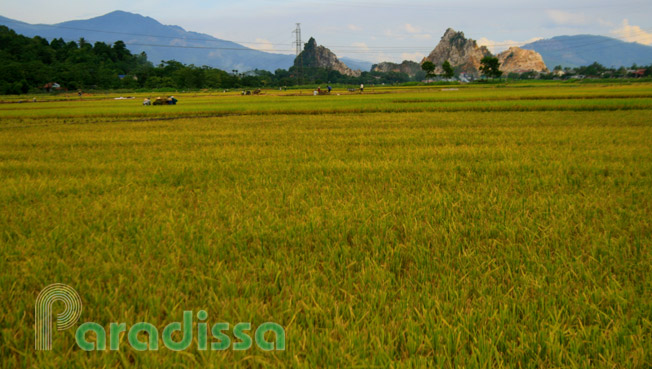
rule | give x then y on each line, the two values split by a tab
393	229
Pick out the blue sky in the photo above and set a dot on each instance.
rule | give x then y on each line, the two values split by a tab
385	30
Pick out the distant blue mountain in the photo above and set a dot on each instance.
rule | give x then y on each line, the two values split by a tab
358	64
159	41
575	51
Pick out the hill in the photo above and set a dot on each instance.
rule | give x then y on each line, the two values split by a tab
34	64
407	66
463	54
160	42
354	64
574	51
317	56
517	60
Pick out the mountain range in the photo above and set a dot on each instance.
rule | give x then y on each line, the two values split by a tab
575	51
165	42
162	42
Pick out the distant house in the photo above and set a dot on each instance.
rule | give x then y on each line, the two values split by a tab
122	76
466	78
51	86
638	73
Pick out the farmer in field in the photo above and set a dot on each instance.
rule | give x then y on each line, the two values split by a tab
329	88
361	88
172	100
147	101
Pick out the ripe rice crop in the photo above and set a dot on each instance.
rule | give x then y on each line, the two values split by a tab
484	227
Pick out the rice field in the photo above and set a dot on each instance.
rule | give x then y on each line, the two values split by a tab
474	227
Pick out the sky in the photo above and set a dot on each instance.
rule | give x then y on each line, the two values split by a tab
383	30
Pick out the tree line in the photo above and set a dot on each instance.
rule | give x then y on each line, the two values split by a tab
35	64
490	68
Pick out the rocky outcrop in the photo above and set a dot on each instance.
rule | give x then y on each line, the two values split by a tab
517	60
408	67
463	54
314	56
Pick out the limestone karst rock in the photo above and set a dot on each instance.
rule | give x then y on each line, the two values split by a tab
465	56
408	67
517	60
462	53
314	56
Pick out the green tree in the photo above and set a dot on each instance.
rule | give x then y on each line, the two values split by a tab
448	69
121	50
594	70
490	67
429	68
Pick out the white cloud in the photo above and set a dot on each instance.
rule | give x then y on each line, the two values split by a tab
564	18
178	42
353	27
360	45
417	57
390	33
498	46
382	57
411	29
407	31
416	32
422	36
262	45
632	33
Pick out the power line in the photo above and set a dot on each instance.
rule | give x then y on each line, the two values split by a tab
447	8
579	43
351	51
299	46
343	48
208	38
199	47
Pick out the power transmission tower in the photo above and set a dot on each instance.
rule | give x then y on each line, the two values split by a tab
299	46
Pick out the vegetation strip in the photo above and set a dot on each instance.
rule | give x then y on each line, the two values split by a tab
529	98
